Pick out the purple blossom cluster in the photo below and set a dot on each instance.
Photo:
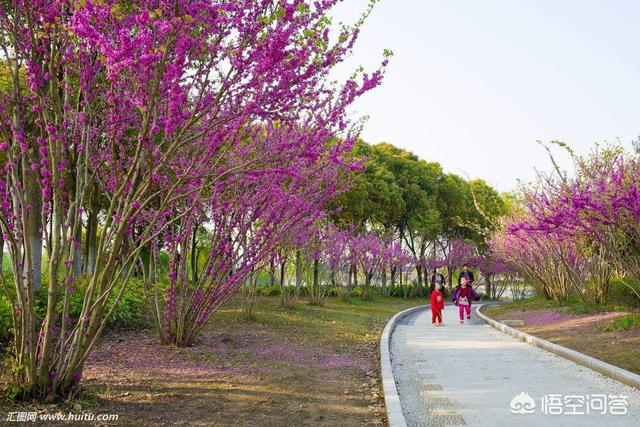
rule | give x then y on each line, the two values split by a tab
572	234
152	119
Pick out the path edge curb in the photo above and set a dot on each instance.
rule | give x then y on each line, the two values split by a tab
606	369
395	416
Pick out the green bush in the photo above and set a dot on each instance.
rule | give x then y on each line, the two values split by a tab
268	290
399	291
580	307
131	312
395	291
620	293
622	323
6	324
357	292
333	291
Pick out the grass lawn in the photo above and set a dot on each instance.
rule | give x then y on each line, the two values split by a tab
307	366
609	332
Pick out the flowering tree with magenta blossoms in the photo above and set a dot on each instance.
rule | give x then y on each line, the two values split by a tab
162	108
249	219
579	230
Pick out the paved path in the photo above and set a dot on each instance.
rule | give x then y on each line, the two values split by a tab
469	374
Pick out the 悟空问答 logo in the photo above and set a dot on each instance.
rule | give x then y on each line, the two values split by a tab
523	404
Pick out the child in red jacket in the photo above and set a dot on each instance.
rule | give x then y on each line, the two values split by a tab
437	305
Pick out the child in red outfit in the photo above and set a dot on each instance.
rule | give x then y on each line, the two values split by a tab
437	305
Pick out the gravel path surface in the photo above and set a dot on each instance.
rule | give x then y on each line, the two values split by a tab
469	374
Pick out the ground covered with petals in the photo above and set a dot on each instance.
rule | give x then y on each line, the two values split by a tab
584	329
307	366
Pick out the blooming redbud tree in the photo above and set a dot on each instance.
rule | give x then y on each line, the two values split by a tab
160	107
249	219
540	259
574	233
498	274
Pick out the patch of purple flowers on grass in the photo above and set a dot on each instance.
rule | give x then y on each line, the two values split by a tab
545	317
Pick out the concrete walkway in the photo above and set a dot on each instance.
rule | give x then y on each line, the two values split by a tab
469	374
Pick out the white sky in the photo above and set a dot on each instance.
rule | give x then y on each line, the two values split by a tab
474	83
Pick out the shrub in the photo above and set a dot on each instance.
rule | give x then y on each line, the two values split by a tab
400	291
620	292
576	306
334	291
131	312
268	290
622	323
357	292
6	324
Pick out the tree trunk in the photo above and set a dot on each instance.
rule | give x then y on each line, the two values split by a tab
1	254
298	269
91	241
194	257
450	278
77	257
355	275
33	228
282	272
157	301
316	271
126	267
272	273
418	290
284	298
383	289
404	288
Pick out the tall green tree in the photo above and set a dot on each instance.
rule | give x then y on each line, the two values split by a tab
416	202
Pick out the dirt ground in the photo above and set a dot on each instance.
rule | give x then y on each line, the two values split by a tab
309	366
580	332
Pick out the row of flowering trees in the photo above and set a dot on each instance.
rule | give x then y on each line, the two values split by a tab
571	235
381	261
435	216
128	126
346	252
